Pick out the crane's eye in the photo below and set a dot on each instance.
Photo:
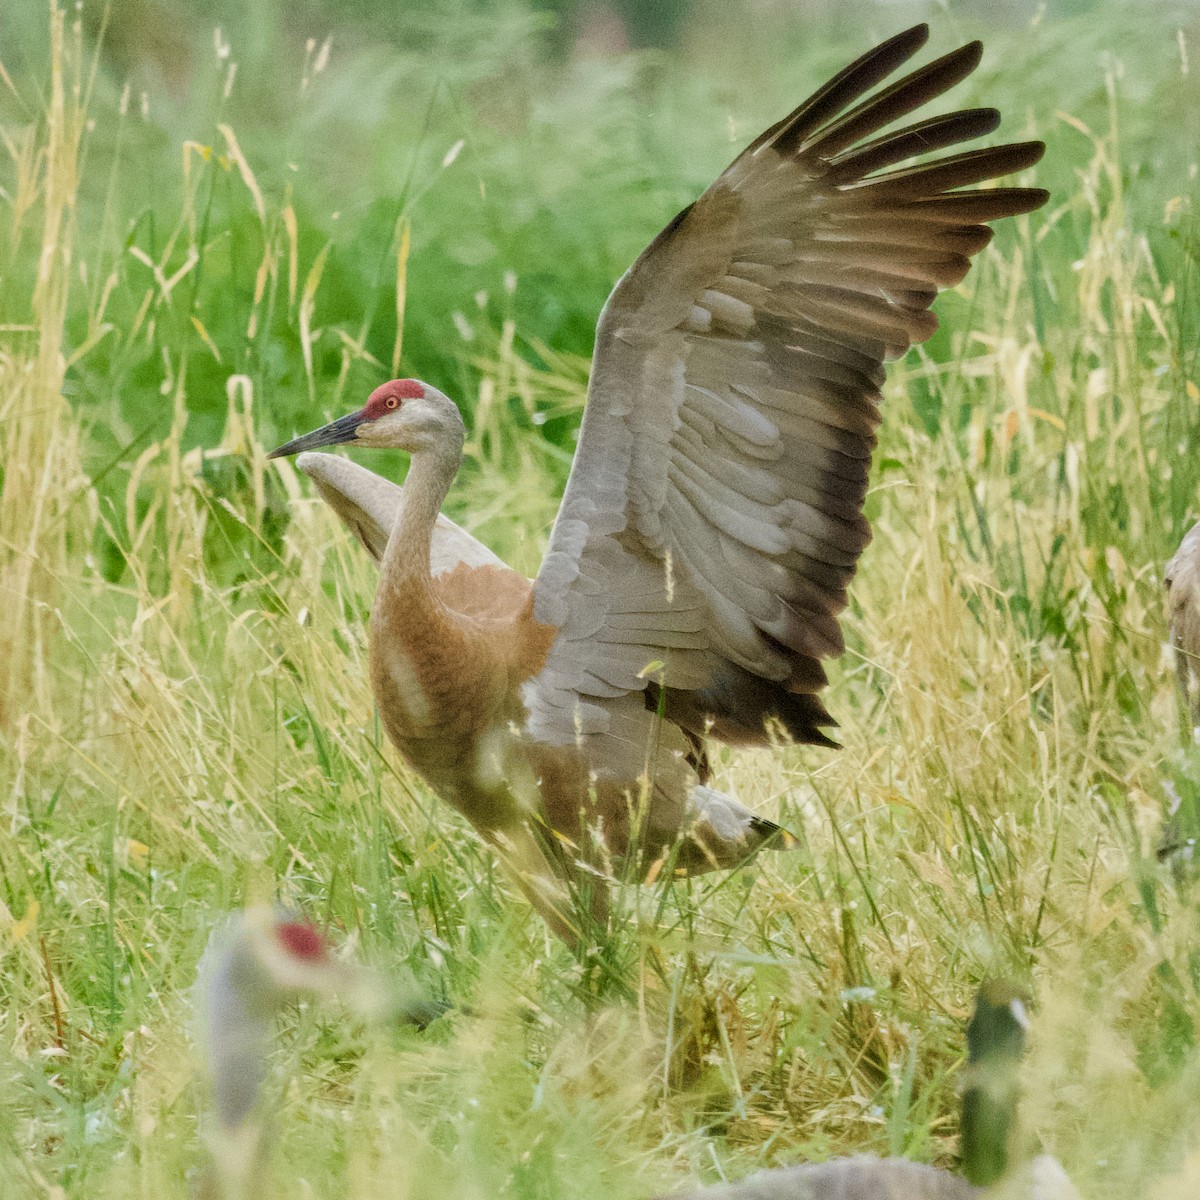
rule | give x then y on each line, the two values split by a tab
392	402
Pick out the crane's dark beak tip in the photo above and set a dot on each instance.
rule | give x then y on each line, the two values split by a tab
344	429
296	445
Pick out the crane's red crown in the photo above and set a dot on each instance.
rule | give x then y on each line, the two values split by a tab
387	397
301	940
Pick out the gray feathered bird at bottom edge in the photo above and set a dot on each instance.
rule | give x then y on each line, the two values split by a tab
995	1039
258	962
866	1178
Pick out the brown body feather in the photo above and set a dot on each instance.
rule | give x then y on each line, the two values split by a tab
448	658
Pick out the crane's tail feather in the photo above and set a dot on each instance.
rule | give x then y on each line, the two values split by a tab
772	836
724	833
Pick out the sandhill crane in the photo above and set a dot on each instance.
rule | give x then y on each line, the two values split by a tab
713	516
260	961
995	1040
1182	581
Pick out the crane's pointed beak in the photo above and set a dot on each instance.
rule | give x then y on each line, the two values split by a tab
344	429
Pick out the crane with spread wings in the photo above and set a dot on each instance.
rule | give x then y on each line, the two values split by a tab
713	517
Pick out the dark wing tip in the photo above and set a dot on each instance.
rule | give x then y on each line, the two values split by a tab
1025	154
911	39
952	68
972	52
845	87
889	54
814	737
1026	200
807	132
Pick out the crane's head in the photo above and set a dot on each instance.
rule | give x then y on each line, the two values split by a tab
402	414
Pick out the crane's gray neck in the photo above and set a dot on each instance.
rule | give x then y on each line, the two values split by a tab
406	558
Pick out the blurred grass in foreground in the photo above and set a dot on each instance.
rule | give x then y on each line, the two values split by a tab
186	718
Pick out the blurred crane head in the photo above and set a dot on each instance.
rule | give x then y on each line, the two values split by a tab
260	961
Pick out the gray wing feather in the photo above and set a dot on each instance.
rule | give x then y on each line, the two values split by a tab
722	465
367	504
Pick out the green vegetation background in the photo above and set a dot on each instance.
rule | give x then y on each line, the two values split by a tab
223	223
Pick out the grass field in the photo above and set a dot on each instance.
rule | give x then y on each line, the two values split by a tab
259	228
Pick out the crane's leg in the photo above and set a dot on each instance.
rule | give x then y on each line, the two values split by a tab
540	882
590	891
569	896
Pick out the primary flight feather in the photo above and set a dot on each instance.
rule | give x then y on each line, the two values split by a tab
713	515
